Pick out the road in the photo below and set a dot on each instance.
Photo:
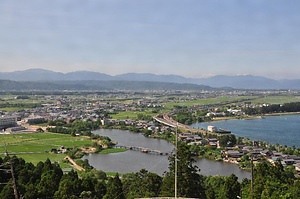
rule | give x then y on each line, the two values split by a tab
169	121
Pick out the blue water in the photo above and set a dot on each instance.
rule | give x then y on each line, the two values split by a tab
283	129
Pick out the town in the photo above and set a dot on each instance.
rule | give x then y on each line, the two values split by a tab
156	114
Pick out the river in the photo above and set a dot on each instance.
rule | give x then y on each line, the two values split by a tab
133	161
283	129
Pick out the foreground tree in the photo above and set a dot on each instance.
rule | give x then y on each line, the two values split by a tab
114	189
190	183
141	184
69	186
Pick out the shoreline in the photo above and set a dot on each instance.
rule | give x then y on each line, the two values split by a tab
252	117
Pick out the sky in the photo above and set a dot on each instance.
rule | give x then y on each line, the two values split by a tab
192	38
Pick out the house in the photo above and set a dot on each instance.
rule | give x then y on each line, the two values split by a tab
277	154
256	151
190	138
273	159
233	154
288	162
266	153
213	142
7	121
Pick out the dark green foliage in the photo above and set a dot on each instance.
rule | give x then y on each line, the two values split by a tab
274	108
141	116
114	188
46	180
190	183
69	186
141	184
271	182
7	192
187	118
232	187
227	140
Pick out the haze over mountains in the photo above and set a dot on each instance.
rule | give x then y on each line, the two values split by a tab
85	79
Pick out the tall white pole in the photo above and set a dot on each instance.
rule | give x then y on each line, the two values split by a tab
176	137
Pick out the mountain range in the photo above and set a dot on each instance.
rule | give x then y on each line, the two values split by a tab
220	81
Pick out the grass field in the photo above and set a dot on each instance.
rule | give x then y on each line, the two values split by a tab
9	103
276	100
114	150
34	147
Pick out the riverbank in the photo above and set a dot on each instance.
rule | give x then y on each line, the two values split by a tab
133	161
251	117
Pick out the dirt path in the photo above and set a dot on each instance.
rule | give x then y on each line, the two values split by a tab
76	166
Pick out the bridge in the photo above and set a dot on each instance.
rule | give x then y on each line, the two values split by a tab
165	122
143	150
169	121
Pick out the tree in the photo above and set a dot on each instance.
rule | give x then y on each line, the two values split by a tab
114	189
31	192
48	184
7	192
69	186
100	189
232	187
141	184
190	183
227	140
39	130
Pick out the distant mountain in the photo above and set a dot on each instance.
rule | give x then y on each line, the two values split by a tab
47	75
241	81
87	75
220	81
32	75
153	78
291	84
8	85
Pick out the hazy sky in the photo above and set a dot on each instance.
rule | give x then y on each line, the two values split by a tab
193	38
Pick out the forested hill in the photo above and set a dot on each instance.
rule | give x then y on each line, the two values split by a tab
8	85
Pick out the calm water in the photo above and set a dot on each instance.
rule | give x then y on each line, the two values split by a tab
133	161
284	129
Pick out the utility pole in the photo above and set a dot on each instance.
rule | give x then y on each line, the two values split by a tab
176	137
252	174
11	171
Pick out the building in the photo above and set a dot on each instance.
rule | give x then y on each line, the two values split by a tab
7	121
35	120
211	128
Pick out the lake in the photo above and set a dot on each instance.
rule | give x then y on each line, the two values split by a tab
133	161
283	129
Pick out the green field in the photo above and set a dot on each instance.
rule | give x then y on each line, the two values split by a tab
113	150
9	103
34	147
276	100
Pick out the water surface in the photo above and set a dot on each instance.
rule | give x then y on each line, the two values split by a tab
283	129
133	161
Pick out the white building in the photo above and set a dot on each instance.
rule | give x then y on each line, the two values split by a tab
211	128
7	121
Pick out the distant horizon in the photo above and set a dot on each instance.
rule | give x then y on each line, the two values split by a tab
144	73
